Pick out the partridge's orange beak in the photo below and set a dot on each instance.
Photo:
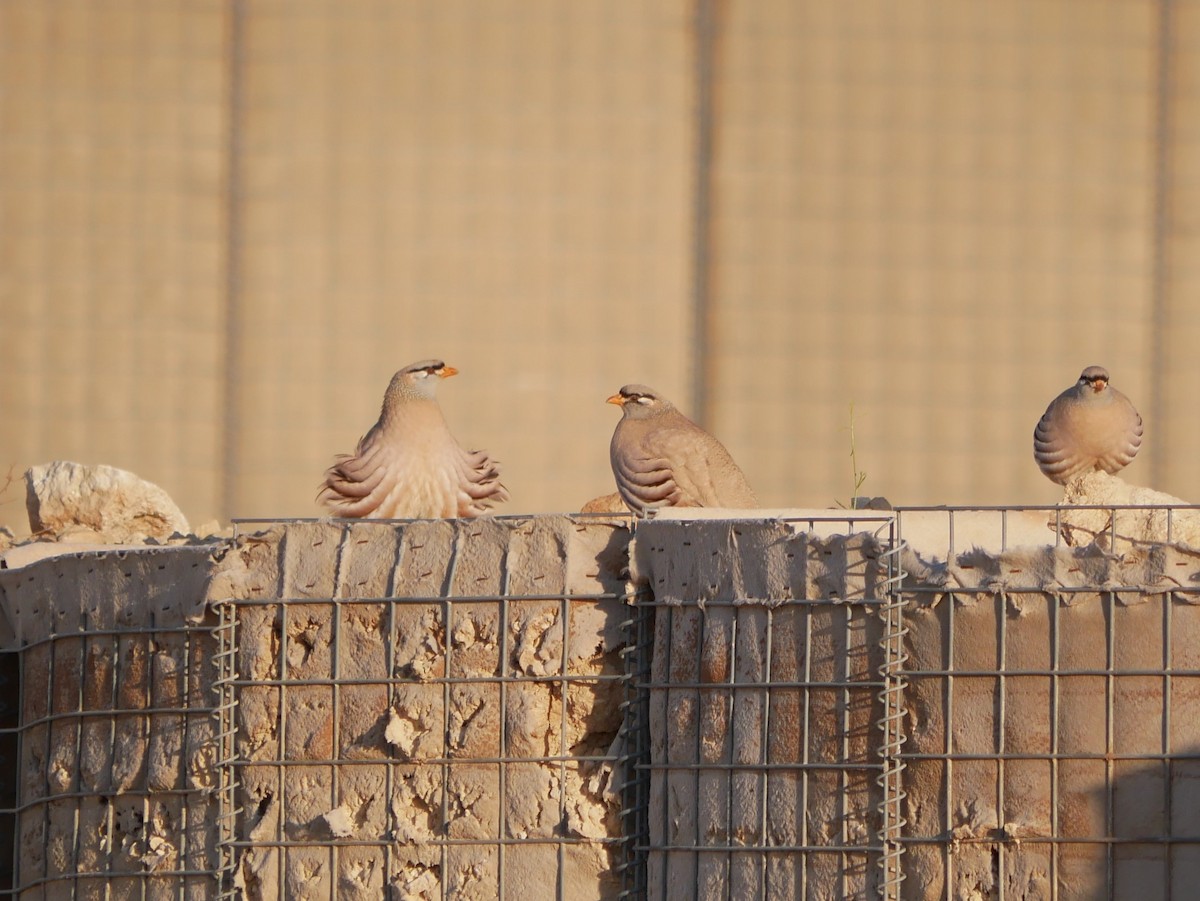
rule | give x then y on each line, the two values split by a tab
447	371
616	399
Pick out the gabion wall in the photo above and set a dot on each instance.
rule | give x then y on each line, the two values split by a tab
115	748
836	707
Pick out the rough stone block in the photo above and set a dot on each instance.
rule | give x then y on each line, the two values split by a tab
416	807
535	638
472	872
473	801
258	722
362	793
473	720
416	872
363	715
594	715
164	762
251	569
308	794
480	548
527	720
536	556
597	557
309	723
474	639
530	864
308	635
416	723
420	640
360	874
363	641
424	559
109	504
310	555
368	560
258	641
308	873
590	801
532	799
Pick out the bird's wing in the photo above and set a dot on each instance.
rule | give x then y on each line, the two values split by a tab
479	485
1054	446
704	469
645	478
1124	434
356	484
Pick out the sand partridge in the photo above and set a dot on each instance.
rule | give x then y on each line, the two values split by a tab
408	466
662	459
1089	426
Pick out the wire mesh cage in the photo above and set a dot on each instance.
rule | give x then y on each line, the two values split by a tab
772	707
921	704
111	729
430	710
1052	746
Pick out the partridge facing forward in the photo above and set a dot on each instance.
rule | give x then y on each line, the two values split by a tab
660	458
1089	426
408	466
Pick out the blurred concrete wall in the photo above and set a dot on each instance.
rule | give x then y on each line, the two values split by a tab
224	224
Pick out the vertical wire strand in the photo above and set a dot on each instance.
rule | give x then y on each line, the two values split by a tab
280	770
894	684
1055	605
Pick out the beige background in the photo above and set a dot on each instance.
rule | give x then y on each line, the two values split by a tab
225	223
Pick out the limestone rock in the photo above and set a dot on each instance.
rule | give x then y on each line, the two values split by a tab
606	503
340	821
74	501
1118	529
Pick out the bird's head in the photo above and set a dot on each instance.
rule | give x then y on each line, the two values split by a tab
1095	378
419	379
640	402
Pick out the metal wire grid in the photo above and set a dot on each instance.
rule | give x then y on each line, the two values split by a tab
227	787
10	761
1119	842
891	723
236	840
743	855
102	687
634	765
48	716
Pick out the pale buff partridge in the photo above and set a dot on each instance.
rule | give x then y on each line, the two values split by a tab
1089	426
660	458
408	466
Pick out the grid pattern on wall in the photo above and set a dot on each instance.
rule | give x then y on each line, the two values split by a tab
837	712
